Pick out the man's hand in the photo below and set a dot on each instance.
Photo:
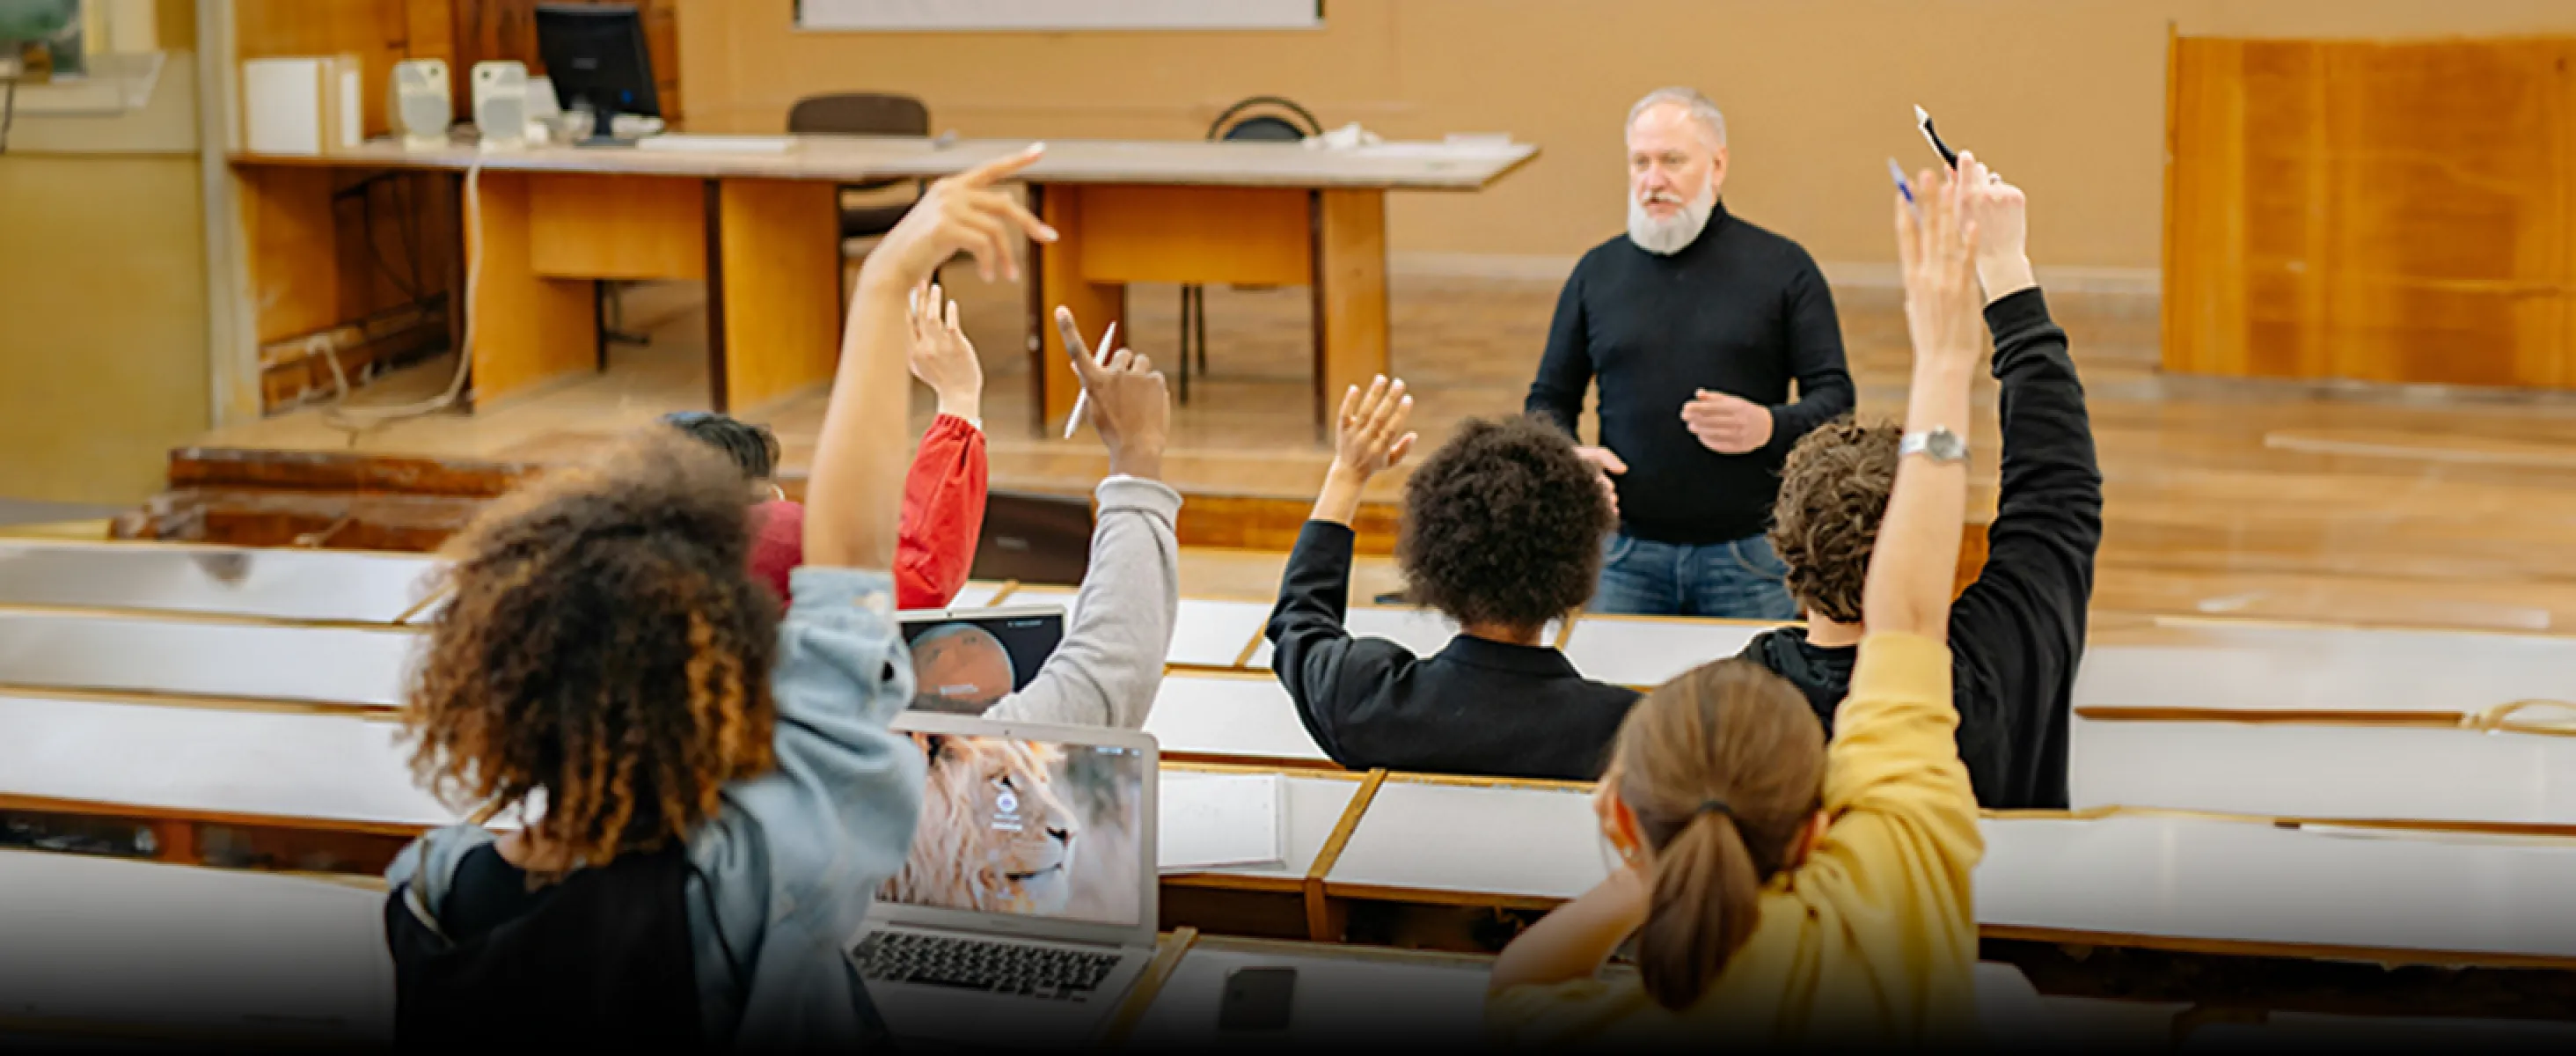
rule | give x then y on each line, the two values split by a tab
1605	465
1999	211
1130	408
1727	424
1369	437
942	357
964	213
1937	244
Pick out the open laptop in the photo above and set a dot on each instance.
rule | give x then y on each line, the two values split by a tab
1027	908
963	660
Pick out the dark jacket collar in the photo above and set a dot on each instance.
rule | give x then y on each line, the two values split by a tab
1500	656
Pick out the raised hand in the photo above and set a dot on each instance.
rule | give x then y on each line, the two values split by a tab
1130	407
1726	423
942	357
1370	436
2000	213
1936	241
963	213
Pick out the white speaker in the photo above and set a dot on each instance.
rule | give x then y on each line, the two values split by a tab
421	103
501	102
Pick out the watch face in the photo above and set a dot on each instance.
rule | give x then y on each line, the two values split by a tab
1940	444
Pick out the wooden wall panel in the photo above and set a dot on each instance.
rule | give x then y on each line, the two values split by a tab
2373	211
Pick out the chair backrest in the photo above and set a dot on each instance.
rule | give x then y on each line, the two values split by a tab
1298	123
858	114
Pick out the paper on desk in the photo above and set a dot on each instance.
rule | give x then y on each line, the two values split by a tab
1210	821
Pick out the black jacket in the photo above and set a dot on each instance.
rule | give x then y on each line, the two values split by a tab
1477	707
2017	633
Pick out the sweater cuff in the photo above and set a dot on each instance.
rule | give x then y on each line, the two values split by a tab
819	590
955	421
1123	492
2018	310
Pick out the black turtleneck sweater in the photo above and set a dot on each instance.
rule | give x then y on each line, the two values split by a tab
1740	310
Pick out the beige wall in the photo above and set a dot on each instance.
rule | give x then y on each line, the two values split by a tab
103	364
2064	96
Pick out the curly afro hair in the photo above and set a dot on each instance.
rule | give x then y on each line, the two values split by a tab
605	656
1503	526
1833	492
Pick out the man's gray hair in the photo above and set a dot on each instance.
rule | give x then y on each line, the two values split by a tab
1691	102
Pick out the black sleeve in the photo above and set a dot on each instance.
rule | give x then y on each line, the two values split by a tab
2018	631
1815	358
1565	371
1330	675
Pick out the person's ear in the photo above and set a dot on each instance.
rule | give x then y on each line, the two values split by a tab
1810	835
1717	171
1619	824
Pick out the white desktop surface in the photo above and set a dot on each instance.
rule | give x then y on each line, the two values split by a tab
2339	668
1315	806
198	658
1636	652
1204	633
257	763
1235	716
269	583
2322	771
1517	841
975	595
93	940
2222	881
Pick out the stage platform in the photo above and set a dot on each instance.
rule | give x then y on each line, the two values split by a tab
2348	504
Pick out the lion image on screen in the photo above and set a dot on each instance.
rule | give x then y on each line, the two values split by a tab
1001	832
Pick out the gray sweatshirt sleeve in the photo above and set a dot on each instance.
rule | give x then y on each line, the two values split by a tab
1110	664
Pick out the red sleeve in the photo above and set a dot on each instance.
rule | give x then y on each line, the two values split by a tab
777	542
943	513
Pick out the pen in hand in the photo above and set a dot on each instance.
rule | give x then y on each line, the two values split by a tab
1073	347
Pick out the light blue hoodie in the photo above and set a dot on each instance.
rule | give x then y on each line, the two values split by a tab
792	857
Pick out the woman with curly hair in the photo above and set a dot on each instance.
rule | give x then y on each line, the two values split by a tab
701	794
1502	533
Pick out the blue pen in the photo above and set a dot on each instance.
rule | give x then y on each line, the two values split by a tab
1898	171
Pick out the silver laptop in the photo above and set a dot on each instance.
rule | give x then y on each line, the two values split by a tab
1026	910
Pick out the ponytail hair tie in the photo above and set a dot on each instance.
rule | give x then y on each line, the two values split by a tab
1715	806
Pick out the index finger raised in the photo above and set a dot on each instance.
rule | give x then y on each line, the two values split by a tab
998	169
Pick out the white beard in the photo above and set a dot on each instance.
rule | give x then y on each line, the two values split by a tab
1667	237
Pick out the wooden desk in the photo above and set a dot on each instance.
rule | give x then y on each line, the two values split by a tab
139	654
1243	717
1470	842
762	231
314	586
144	950
1343	995
1648	651
2249	666
2381	773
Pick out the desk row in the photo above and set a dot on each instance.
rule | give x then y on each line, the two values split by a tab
1408	839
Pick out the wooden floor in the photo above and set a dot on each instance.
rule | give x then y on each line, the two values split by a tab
2349	504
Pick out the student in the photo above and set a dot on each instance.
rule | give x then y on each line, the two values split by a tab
1782	891
709	793
943	498
1109	667
1502	532
2018	631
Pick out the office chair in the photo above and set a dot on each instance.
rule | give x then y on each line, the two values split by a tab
862	114
1244	121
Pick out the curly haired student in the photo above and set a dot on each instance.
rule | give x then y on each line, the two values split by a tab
1502	532
698	795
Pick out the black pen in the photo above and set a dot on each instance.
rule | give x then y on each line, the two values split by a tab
1924	119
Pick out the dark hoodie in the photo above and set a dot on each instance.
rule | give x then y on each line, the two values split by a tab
2018	631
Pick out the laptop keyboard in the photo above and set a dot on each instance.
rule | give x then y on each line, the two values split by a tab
975	964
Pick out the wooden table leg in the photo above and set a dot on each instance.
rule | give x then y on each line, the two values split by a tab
1060	281
527	329
1350	295
774	261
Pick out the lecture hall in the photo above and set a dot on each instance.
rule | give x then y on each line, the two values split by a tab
1153	524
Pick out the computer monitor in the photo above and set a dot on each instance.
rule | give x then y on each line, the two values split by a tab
595	56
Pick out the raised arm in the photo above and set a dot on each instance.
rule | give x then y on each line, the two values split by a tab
855	491
1110	665
2020	627
1313	653
943	497
1915	561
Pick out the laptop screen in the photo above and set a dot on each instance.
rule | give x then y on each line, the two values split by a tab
1029	828
963	660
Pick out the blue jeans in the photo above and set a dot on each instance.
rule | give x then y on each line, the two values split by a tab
1739	580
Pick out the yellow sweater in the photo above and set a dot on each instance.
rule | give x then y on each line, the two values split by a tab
1874	938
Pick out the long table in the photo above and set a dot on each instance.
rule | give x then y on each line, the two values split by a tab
318	586
761	230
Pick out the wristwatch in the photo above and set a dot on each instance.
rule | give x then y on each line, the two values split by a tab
1939	443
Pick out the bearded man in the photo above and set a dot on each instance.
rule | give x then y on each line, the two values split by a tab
1695	322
